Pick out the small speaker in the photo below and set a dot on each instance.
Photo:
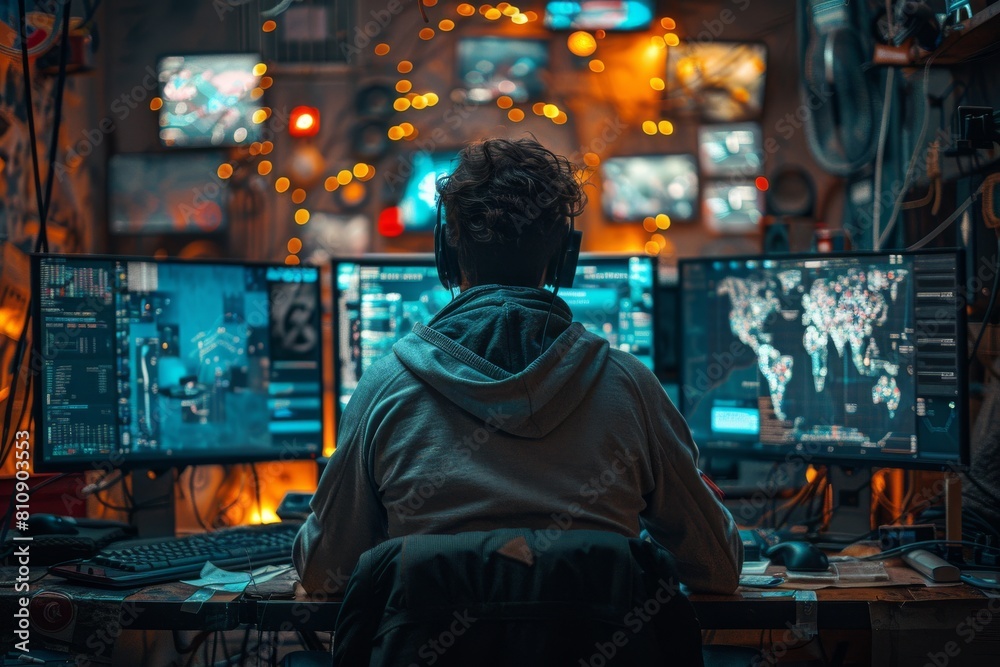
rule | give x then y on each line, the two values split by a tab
792	193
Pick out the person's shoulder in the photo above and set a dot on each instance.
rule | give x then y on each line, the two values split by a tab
631	365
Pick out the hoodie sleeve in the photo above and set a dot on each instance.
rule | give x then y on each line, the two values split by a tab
681	512
347	515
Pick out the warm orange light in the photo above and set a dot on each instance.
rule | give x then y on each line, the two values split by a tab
259	116
353	194
403	86
369	175
504	102
591	159
291	260
298	195
762	184
658	42
344	176
225	170
266	148
269	26
538	108
596	65
740	94
649	224
303	122
401	104
659	239
581	43
560	118
656	83
665	127
301	216
381	49
426	33
671	39
649	127
419	102
281	185
519	19
550	111
294	245
404	67
668	23
446	25
465	9
407	129
431	99
265	82
515	115
430	3
264	168
256	93
663	221
652	248
360	170
493	14
331	183
155	104
259	69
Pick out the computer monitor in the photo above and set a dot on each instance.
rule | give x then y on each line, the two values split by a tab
379	299
163	363
833	358
418	204
210	99
490	67
166	193
721	82
732	207
599	14
731	150
639	186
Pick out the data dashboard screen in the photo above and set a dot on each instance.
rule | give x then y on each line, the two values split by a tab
175	363
855	357
379	299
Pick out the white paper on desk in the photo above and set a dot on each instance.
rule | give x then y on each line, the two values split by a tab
217	579
755	567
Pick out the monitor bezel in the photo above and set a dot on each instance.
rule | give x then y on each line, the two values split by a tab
42	461
695	216
226	196
403	259
159	91
788	452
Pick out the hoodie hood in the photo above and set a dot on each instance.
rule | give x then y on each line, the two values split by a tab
482	353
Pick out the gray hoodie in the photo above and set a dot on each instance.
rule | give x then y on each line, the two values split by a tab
469	426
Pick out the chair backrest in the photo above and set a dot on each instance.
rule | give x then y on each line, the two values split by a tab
516	597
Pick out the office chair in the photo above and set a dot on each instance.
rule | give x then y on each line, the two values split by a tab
515	597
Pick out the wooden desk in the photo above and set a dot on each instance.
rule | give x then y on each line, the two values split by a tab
905	625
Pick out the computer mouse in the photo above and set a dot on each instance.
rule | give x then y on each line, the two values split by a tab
51	524
798	557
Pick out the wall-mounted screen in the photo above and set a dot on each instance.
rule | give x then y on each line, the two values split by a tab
719	81
732	207
731	150
418	205
489	67
166	193
599	15
639	186
210	100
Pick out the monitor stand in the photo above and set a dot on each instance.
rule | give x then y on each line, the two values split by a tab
153	493
852	502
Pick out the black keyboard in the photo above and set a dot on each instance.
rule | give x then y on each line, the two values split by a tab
145	562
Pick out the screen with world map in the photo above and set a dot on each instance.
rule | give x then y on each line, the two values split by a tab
842	357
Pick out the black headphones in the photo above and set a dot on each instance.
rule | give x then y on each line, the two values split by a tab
559	273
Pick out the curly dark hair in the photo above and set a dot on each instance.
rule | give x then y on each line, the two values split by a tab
508	204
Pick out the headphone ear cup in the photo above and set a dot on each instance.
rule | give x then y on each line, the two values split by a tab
446	257
561	270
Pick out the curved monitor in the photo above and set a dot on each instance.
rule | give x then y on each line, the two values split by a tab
856	357
163	364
